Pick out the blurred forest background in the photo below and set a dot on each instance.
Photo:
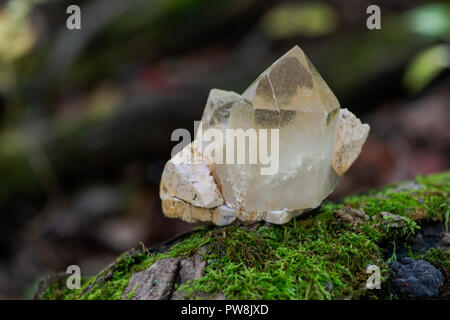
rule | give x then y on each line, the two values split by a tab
86	115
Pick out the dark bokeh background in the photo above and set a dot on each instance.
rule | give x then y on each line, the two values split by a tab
86	116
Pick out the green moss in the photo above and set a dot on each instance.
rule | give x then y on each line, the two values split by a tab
54	292
303	259
429	200
126	265
314	258
111	288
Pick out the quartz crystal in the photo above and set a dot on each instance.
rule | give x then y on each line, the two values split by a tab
316	142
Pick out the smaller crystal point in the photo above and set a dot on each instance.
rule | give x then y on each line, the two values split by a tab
317	143
218	106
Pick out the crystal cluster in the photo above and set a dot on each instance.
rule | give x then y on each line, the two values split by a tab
317	142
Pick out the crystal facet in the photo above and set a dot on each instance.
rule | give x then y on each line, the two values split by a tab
316	143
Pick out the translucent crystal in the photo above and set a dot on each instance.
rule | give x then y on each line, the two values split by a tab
292	97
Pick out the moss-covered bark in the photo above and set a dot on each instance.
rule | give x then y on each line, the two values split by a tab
322	256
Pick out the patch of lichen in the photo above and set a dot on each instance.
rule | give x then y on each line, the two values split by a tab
313	258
